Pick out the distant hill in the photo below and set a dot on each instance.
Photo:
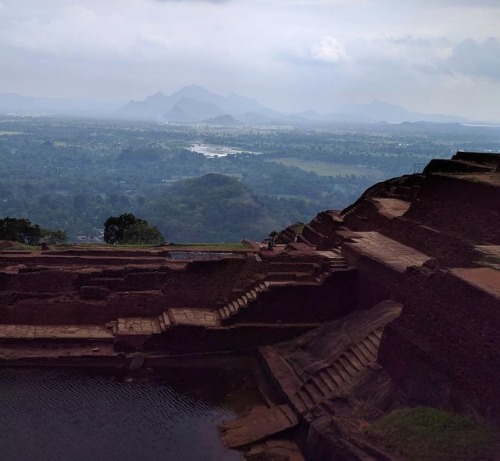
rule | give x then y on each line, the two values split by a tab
222	120
214	208
194	103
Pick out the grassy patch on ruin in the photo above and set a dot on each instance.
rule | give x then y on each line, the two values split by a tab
429	434
209	246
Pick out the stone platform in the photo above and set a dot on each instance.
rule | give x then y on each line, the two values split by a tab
385	250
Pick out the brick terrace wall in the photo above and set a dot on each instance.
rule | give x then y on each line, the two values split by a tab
365	217
291	304
65	296
467	209
449	250
374	280
44	281
184	340
211	283
76	311
444	348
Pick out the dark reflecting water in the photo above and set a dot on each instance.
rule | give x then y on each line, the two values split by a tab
71	415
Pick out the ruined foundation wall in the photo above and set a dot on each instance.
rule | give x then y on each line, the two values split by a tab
374	280
66	296
448	250
444	349
462	208
303	304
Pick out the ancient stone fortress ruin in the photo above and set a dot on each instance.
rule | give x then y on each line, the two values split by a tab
395	298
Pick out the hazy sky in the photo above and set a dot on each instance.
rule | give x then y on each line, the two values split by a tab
293	55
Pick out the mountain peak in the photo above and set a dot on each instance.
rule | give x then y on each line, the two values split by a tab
196	103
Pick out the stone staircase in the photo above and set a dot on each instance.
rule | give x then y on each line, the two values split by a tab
241	302
311	387
328	381
283	273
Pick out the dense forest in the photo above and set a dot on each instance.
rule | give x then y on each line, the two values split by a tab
73	174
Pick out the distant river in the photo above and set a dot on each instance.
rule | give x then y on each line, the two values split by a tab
70	415
210	151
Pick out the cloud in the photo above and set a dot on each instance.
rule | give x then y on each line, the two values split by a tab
290	54
481	59
193	1
326	50
402	54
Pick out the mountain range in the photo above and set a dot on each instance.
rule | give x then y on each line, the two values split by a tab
195	104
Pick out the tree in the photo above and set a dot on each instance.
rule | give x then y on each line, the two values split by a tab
21	230
126	228
53	237
142	234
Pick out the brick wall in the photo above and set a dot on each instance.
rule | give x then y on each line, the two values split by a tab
444	348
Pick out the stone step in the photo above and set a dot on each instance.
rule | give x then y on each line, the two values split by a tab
341	371
313	391
335	375
299	403
338	266
346	364
361	354
327	379
306	398
56	332
368	352
371	343
337	263
282	276
292	267
322	386
163	327
138	326
194	317
224	312
353	359
373	339
241	303
306	278
166	318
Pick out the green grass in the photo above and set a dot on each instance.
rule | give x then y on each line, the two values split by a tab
328	169
428	434
210	246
